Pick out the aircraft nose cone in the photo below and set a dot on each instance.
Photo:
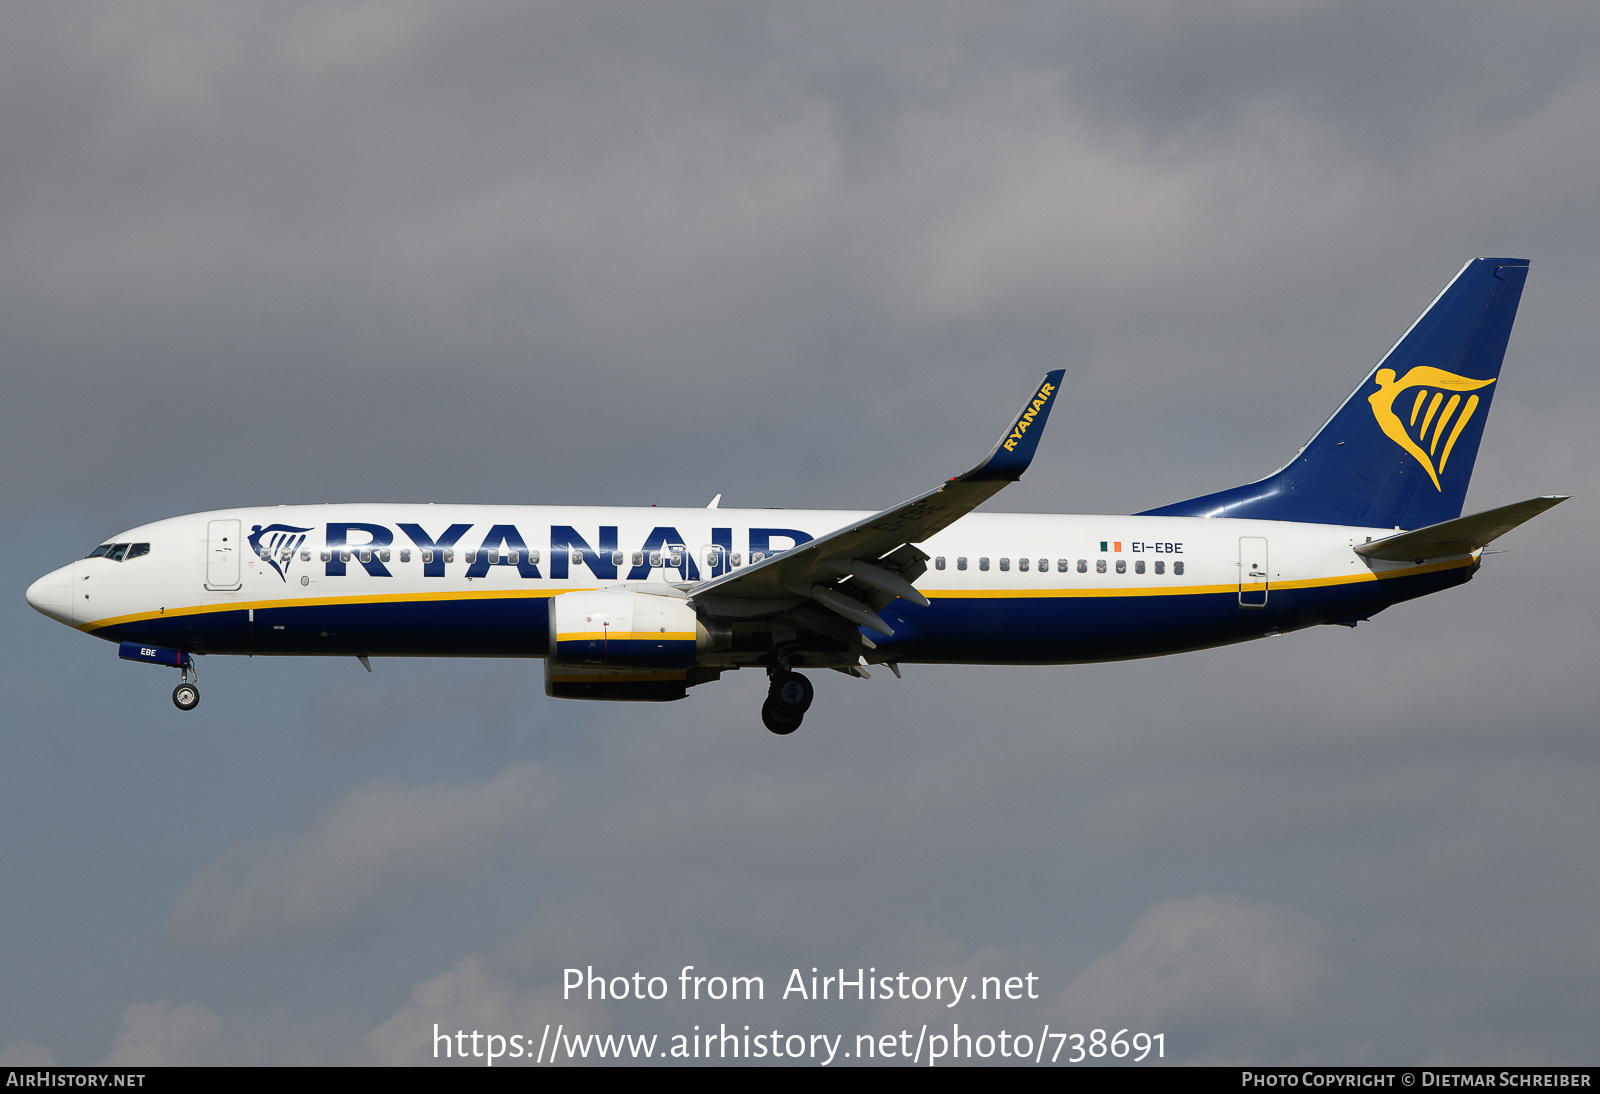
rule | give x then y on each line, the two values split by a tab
52	595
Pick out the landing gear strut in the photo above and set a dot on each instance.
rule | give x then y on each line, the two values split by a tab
788	698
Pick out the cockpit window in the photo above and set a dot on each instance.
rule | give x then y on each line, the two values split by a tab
117	552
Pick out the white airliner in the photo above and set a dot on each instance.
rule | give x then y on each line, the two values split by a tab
643	604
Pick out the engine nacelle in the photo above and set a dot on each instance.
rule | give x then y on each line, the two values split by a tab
623	684
622	628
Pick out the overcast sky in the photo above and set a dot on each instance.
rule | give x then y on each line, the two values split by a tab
803	255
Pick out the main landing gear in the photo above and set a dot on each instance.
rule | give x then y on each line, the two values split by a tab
788	698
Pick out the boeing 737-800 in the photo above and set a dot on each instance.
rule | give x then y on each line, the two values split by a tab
643	604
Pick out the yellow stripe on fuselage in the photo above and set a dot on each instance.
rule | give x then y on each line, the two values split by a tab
627	636
602	676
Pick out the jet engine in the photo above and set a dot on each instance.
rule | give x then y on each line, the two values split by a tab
623	643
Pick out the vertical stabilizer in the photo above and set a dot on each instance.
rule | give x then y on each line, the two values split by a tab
1399	453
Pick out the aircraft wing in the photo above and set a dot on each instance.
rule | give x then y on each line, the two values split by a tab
1457	537
862	551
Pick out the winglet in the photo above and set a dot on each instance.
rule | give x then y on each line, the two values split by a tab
1013	452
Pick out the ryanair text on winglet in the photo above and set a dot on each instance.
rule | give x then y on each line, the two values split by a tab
1027	417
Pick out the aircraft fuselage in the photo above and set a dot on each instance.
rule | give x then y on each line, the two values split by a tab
477	580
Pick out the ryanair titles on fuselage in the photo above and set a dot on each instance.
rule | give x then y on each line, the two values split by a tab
368	546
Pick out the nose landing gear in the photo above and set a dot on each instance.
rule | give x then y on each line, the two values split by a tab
788	698
186	696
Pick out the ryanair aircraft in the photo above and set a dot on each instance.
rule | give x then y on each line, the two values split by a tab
643	604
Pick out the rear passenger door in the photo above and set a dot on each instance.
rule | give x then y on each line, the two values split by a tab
1252	572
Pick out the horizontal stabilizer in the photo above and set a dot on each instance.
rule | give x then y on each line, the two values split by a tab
1457	537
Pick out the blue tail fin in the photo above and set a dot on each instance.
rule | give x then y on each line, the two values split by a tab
1399	452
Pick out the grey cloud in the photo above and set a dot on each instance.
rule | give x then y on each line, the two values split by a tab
189	1035
26	1054
162	1035
472	999
588	218
376	836
805	255
1204	963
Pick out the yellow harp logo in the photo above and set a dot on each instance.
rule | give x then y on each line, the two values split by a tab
1427	380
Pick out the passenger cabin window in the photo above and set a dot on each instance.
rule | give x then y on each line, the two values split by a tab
938	563
1122	565
405	554
1161	567
1177	568
494	555
305	554
327	555
1099	565
469	556
616	558
427	554
737	559
983	564
533	557
577	558
961	562
366	554
1063	564
450	554
1005	564
1138	567
1022	564
383	555
344	555
755	557
655	559
1044	564
1083	565
638	558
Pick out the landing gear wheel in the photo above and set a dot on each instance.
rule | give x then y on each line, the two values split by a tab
778	720
186	696
791	693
